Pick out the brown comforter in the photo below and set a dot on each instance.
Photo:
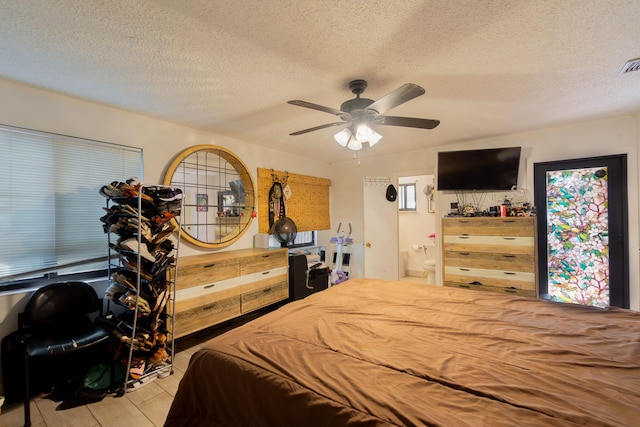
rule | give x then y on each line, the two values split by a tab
373	352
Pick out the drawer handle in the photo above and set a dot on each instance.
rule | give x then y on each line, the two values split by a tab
463	221
209	286
511	289
464	253
509	238
509	256
510	273
509	220
266	290
265	272
464	269
463	237
265	256
209	265
476	283
209	306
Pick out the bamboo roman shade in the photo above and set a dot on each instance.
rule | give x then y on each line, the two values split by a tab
308	205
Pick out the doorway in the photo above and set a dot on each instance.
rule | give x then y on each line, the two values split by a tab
416	230
582	230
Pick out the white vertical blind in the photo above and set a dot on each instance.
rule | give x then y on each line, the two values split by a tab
50	206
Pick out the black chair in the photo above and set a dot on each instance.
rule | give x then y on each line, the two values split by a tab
56	323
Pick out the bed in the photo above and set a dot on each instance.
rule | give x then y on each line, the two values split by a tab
375	353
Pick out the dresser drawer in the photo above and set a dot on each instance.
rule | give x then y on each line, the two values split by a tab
188	298
502	290
498	278
264	296
281	273
207	314
494	261
515	227
262	262
489	244
205	271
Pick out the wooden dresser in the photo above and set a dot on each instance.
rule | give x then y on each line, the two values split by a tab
491	254
212	288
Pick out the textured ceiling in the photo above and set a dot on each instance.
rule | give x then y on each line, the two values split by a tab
489	67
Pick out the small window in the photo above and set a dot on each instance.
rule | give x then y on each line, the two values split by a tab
407	197
303	238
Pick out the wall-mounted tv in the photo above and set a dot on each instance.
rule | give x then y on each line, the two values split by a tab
485	169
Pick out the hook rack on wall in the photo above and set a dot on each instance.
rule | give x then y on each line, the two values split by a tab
377	181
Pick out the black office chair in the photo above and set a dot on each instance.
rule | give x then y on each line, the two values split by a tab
56	323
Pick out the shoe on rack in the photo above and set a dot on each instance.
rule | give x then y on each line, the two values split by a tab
166	226
134	181
162	236
129	300
132	266
158	357
171	195
133	246
137	368
160	266
133	212
115	291
109	191
171	205
115	228
163	217
166	194
123	280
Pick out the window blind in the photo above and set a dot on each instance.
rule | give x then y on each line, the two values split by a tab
50	206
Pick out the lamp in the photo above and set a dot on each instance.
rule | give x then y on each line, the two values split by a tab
363	134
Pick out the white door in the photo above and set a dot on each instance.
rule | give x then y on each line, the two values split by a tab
380	230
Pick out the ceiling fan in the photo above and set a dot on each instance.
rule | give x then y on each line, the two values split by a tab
359	114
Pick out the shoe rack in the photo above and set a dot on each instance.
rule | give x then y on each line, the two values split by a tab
143	228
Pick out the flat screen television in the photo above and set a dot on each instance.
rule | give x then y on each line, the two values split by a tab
485	169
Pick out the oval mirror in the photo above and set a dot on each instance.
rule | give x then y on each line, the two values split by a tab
218	195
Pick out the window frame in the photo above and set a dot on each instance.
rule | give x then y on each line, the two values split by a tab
403	198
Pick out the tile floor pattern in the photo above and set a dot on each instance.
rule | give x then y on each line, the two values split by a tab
147	406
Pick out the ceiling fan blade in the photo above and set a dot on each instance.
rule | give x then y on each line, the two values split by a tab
328	125
404	93
409	122
329	110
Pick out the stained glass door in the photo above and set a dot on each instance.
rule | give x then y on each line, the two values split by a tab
581	206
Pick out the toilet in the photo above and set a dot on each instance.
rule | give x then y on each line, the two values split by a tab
429	266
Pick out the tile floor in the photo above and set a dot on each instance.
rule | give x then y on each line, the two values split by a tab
147	406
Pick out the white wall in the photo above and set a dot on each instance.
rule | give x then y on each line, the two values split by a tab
618	135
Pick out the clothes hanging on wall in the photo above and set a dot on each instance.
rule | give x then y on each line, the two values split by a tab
276	204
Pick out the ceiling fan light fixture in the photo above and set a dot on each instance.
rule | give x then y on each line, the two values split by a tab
354	144
374	138
363	133
343	137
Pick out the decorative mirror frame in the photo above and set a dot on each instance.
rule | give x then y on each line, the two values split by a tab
207	207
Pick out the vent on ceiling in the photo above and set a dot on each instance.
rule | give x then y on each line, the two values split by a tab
631	65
